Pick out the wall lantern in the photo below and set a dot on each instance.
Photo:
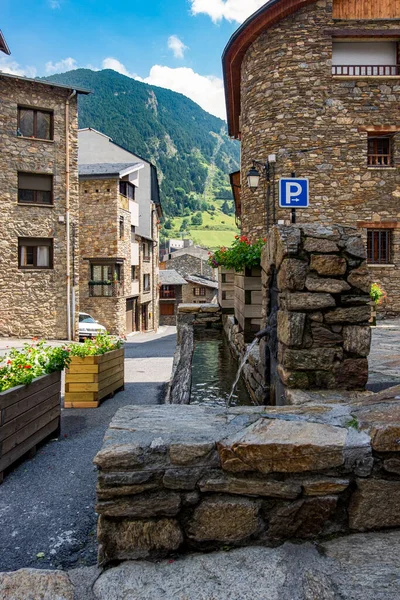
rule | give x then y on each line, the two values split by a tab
253	179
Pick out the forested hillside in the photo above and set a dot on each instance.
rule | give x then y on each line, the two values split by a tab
190	147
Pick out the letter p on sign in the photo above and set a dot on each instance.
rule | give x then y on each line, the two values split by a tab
294	192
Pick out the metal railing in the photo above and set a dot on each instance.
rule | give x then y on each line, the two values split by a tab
103	289
366	70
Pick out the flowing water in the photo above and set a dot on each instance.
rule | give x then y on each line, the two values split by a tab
214	371
240	370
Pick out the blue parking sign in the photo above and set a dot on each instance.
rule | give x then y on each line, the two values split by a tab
294	192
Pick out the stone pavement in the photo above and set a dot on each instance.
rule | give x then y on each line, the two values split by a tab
384	360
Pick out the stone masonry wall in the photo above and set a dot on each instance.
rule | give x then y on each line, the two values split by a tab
193	478
316	307
187	265
33	302
291	102
188	296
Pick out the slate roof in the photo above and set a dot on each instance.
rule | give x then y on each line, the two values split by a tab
196	251
45	82
108	169
3	44
204	281
171	277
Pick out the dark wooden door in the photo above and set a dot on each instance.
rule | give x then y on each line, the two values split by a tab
129	316
145	317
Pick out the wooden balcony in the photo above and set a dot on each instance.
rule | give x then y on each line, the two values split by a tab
167	295
366	70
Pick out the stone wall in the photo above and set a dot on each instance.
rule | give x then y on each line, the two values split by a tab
290	102
33	302
188	296
187	264
191	478
316	306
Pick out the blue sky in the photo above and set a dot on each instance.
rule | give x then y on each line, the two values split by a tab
171	43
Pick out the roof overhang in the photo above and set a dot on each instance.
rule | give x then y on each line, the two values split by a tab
3	44
267	16
47	83
236	190
112	175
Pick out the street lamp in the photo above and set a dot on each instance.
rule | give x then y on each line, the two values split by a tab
253	181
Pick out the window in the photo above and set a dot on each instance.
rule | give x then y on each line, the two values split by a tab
35	253
224	296
378	246
146	283
105	280
199	291
223	278
379	150
127	189
358	59
35	123
35	189
133	229
121	228
146	251
133	274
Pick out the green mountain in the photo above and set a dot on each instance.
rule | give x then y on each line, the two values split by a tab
190	147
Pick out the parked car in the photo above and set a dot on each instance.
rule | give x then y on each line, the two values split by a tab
89	327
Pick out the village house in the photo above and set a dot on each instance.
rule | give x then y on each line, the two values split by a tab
120	210
312	90
39	207
171	295
189	260
200	290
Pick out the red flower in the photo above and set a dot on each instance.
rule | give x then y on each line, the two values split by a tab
27	367
9	362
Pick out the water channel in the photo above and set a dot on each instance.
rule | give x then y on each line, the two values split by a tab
214	371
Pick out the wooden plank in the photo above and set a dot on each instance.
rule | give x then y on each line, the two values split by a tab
81	404
74	369
115	369
82	387
112	363
110	380
81	378
29	430
112	388
24	391
10	413
86	360
110	356
80	396
366	9
13	426
16	453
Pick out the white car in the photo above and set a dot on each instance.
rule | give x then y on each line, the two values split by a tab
89	327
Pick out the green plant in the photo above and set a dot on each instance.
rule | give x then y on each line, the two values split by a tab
242	254
101	344
377	293
353	423
21	367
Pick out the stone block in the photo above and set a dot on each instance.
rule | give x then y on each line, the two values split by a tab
291	328
293	379
316	359
304	301
324	336
353	314
355	247
357	340
109	493
375	505
250	486
292	275
131	540
360	278
382	421
34	584
224	519
328	265
352	299
302	519
324	487
190	453
352	373
392	465
330	286
278	446
159	504
182	479
321	231
320	245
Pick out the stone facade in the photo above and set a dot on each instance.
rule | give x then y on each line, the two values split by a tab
291	103
33	301
190	261
188	294
149	299
171	319
193	478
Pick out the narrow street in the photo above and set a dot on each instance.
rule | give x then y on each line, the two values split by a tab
47	503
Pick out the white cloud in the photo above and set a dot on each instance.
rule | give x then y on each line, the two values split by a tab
8	65
66	64
177	46
116	65
231	10
207	91
54	3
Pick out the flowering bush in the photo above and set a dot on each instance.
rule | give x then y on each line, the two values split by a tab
241	255
101	344
377	293
21	367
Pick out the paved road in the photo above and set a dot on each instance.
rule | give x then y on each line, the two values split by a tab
46	504
384	360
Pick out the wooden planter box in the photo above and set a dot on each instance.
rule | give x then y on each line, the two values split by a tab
90	379
226	290
28	415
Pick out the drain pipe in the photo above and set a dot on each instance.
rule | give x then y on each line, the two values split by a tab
67	215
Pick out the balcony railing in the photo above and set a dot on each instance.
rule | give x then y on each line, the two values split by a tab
379	160
366	70
146	258
167	294
106	289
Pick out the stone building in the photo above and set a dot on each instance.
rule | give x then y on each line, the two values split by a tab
39	207
138	305
316	83
189	260
171	295
200	290
109	254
